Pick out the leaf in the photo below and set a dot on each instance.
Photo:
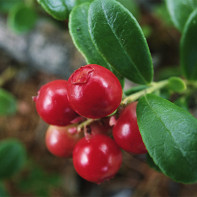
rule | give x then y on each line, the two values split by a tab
78	26
7	103
12	157
151	163
188	48
22	18
120	40
169	134
56	8
180	10
176	84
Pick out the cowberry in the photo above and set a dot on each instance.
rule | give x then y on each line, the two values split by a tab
60	142
97	158
94	91
52	103
126	132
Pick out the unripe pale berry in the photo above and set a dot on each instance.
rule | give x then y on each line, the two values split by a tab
94	91
60	142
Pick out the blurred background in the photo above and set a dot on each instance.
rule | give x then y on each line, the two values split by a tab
35	49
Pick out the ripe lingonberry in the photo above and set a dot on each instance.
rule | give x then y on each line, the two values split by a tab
126	132
60	142
52	103
97	158
94	91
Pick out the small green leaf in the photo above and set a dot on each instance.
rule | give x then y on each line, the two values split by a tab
78	26
22	18
56	8
12	157
7	103
6	5
169	134
119	38
180	10
189	48
176	84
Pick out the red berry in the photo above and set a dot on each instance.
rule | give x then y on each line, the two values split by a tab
126	132
52	103
94	91
97	159
60	142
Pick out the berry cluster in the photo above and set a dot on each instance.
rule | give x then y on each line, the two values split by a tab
93	92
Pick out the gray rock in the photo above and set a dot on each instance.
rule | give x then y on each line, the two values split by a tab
46	48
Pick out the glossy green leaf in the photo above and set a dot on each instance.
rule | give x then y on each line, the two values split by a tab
120	40
12	157
56	8
7	103
180	10
22	18
176	84
78	26
169	134
189	48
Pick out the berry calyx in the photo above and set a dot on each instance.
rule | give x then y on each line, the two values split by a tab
126	132
52	103
60	142
97	159
94	91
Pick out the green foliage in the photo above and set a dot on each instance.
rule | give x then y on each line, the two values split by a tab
180	10
37	181
6	5
104	29
12	157
176	84
169	133
59	9
21	18
3	191
151	163
126	51
78	26
189	48
7	103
